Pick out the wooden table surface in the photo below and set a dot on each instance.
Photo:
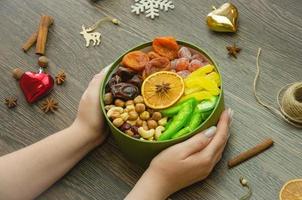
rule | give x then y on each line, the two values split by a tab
273	25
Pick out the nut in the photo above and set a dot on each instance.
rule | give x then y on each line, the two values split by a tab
158	131
139	99
151	111
118	122
125	126
140	107
163	121
146	133
133	122
115	112
139	122
108	98
129	102
43	61
129	132
108	107
145	115
152	124
156	116
151	138
124	116
145	125
129	108
119	103
133	115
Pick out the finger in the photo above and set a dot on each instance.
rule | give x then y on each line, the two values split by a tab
95	83
218	143
196	143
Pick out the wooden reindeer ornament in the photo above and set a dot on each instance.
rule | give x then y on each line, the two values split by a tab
95	37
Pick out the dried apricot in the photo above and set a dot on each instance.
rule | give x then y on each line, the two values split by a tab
166	46
135	60
182	64
156	65
153	55
184	52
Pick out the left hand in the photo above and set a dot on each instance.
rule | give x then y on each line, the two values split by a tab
89	117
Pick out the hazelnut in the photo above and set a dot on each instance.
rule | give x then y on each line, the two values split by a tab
145	125
145	115
139	99
118	122
129	102
125	126
140	107
129	108
119	103
129	132
152	124
156	116
133	115
139	122
43	61
108	98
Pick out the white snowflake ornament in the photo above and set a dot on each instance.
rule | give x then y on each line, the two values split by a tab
151	7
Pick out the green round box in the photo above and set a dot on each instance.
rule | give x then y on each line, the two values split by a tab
142	151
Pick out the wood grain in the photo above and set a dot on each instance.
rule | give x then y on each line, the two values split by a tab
273	25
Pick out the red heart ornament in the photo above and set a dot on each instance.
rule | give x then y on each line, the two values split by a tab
35	85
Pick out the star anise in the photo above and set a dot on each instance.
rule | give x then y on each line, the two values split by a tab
233	50
60	78
11	102
49	104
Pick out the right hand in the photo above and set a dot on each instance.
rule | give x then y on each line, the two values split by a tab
185	163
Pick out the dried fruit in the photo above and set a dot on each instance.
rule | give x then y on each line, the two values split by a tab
184	73
195	64
152	55
125	73
125	126
182	64
113	81
200	57
166	46
291	190
162	89
156	65
135	60
124	91
136	80
184	52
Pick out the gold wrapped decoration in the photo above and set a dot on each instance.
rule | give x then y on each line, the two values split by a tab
223	19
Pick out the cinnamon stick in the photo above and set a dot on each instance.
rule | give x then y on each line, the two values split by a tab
250	153
30	41
45	22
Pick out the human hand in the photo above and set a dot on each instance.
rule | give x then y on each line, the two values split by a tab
89	117
185	163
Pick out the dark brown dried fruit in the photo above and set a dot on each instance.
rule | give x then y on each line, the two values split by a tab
136	80
124	91
134	129
125	73
113	81
125	126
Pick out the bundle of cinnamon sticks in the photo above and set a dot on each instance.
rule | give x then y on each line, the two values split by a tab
40	36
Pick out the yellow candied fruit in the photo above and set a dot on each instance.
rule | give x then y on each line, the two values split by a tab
201	71
215	77
204	83
199	96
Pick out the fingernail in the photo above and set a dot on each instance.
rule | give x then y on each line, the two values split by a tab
230	113
210	132
105	69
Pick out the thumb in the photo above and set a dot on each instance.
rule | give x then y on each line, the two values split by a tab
95	83
197	142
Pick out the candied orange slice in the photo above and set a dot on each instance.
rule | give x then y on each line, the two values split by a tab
292	190
162	89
